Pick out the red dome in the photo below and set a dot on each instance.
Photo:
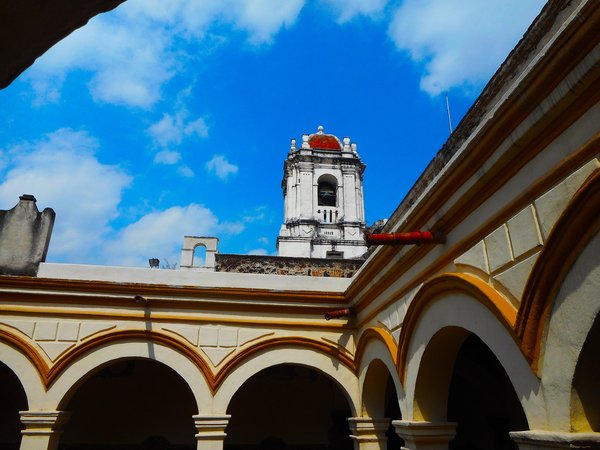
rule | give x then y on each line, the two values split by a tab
324	141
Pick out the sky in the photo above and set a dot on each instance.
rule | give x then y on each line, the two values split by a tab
163	119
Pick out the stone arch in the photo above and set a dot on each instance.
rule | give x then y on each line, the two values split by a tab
376	358
83	365
576	227
468	285
434	337
344	376
22	359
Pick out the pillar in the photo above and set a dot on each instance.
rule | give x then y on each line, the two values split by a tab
369	433
425	435
306	190
42	429
350	203
211	431
542	440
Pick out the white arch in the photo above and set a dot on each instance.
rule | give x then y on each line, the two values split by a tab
68	381
375	350
345	379
25	370
575	308
457	309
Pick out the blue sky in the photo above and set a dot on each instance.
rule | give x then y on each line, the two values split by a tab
164	119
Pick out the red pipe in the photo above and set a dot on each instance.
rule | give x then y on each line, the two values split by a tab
338	313
413	237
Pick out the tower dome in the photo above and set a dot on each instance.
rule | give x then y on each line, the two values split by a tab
322	141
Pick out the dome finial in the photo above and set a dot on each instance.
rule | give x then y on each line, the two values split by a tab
320	129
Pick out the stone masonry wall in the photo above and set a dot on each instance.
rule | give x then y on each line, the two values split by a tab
277	265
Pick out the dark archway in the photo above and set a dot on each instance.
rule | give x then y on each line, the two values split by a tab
12	400
132	404
482	400
586	385
289	407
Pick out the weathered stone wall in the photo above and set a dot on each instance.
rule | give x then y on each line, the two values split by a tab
277	265
24	237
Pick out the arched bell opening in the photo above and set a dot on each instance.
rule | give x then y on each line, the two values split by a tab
327	190
133	404
482	400
12	400
289	406
585	395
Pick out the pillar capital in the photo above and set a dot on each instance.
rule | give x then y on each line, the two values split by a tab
541	440
425	435
211	430
42	429
368	432
43	422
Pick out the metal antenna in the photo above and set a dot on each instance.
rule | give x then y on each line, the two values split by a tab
448	110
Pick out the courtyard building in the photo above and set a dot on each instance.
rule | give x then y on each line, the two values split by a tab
488	340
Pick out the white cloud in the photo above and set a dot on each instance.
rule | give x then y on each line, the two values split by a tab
129	62
130	52
257	214
347	10
168	157
221	167
159	235
261	18
231	228
460	42
258	251
185	171
63	172
171	129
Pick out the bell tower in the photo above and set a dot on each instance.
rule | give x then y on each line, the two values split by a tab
323	199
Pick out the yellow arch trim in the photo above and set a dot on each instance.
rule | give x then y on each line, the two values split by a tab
28	349
476	288
379	334
292	341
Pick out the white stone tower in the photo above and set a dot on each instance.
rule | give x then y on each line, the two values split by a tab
324	214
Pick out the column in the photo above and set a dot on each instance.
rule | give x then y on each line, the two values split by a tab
306	190
42	429
289	200
542	440
350	209
369	433
425	435
211	431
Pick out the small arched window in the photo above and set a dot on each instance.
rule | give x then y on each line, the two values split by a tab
327	194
